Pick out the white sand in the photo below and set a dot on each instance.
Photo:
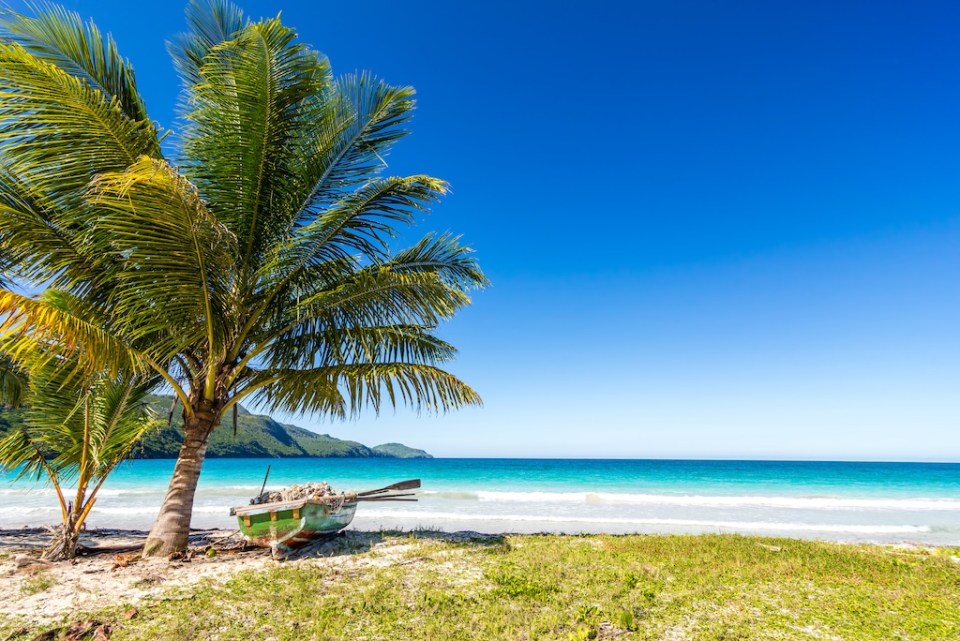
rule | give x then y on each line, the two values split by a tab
38	592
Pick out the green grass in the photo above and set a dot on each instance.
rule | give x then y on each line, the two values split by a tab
718	588
37	584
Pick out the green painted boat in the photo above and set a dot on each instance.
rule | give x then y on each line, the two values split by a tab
286	525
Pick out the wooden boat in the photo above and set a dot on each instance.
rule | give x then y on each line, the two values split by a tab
284	526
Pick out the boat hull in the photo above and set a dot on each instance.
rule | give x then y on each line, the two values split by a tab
287	525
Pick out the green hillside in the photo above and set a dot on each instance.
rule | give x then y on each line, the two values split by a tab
398	450
256	436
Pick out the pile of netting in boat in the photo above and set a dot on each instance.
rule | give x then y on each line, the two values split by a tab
295	492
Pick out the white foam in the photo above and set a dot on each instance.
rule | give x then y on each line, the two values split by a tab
684	500
70	491
154	509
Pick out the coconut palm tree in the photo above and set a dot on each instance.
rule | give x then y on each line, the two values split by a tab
78	426
76	433
254	263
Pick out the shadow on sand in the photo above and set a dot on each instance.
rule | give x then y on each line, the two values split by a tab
345	543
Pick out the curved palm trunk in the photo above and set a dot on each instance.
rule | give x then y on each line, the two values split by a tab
171	530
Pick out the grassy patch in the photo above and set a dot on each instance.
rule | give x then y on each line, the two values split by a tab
716	588
36	584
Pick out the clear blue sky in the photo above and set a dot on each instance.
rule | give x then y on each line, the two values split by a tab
715	230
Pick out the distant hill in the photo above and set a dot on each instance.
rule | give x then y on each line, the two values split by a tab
398	450
257	436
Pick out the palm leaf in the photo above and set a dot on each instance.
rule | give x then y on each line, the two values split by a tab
368	116
57	131
61	38
178	258
58	319
21	452
325	251
13	383
362	222
247	110
211	22
343	390
44	245
373	297
336	346
445	257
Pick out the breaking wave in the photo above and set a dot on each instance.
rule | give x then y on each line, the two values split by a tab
789	502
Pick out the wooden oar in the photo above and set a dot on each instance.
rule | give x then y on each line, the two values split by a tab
412	484
387	497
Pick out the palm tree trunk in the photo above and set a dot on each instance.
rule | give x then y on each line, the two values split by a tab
171	530
64	539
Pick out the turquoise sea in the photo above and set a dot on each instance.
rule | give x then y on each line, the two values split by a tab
883	502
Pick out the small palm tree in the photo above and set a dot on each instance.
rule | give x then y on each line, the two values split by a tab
256	264
77	427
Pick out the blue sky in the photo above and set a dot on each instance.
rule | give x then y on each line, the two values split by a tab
713	231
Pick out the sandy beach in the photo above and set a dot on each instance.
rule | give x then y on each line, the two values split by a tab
110	570
433	585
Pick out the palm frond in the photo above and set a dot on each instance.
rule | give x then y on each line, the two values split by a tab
247	111
368	117
360	224
211	22
29	325
372	297
369	300
178	259
42	244
56	131
343	390
21	452
445	257
344	345
6	264
62	38
98	424
80	423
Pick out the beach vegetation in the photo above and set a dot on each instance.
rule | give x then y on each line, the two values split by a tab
40	582
248	257
441	586
76	428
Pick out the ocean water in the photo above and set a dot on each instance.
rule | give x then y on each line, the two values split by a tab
879	502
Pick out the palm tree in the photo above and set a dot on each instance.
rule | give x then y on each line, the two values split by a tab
78	427
257	264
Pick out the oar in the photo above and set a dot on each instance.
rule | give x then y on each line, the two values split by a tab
385	498
412	484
